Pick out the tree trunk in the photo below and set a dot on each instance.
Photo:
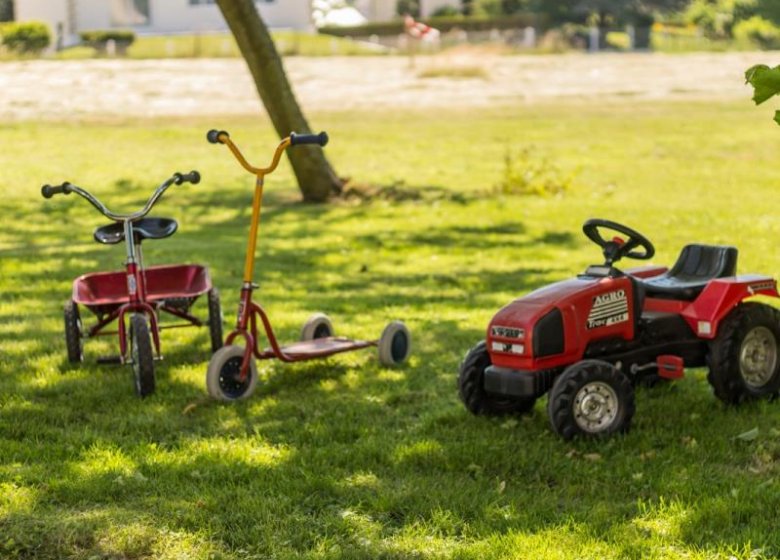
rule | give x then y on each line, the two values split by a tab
316	178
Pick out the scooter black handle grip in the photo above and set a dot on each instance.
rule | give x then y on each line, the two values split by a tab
213	136
320	139
191	177
48	191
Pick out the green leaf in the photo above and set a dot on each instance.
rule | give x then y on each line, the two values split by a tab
765	82
750	435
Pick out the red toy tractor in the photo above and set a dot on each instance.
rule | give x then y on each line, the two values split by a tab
590	339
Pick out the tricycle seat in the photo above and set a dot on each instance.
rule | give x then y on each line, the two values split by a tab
145	228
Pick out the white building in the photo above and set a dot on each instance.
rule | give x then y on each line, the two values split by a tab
67	18
385	10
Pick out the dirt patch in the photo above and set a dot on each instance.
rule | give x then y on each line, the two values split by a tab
130	88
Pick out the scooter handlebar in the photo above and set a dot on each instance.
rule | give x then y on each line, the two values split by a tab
320	139
49	191
191	177
216	136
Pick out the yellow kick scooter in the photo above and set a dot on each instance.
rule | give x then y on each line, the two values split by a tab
232	373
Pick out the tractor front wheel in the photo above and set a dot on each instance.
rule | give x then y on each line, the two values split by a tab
223	378
591	399
471	387
744	357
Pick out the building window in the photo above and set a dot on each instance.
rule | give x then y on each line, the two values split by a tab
129	12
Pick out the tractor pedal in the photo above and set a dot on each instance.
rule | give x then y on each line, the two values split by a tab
109	360
670	367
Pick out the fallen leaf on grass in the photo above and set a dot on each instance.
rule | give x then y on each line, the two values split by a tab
750	435
592	456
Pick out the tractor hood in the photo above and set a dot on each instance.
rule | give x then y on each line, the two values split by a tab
539	329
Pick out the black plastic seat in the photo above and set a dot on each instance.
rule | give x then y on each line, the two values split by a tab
695	267
145	228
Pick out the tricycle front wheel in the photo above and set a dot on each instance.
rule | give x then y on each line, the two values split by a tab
142	356
223	378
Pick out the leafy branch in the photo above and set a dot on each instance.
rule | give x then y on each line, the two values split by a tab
765	82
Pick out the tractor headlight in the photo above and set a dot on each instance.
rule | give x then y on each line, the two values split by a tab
508	348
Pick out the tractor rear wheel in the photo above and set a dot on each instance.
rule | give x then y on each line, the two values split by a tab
471	387
745	357
591	399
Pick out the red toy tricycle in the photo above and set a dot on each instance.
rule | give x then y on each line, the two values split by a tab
141	292
232	373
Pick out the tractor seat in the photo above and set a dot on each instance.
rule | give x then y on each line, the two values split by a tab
695	267
145	228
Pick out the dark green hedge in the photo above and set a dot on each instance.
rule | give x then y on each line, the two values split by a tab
103	36
26	37
443	24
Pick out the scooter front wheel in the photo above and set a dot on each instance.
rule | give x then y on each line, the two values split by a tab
223	380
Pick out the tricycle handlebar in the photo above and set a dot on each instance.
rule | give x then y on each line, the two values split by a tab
49	191
177	179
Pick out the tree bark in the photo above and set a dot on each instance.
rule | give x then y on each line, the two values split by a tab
316	178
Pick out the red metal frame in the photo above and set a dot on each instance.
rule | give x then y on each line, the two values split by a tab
247	328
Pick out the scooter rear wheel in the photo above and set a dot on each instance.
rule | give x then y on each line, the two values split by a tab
222	377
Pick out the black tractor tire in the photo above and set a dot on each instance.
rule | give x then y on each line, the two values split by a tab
745	355
471	387
142	356
591	399
73	342
215	320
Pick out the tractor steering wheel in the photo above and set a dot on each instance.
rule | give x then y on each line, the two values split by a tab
617	248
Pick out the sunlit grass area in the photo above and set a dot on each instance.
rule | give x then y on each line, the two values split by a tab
344	458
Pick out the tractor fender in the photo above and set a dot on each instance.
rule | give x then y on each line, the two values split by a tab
720	297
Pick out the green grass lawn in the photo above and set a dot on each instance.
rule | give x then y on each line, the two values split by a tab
344	458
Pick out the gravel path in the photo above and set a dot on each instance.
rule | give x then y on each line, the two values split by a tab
120	88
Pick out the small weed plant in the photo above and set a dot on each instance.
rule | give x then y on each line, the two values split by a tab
526	173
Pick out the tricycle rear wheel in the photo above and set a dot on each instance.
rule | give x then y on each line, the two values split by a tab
73	342
215	320
471	387
142	356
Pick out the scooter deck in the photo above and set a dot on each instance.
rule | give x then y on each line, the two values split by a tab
318	348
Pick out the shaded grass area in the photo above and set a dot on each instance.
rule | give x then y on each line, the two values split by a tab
343	458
